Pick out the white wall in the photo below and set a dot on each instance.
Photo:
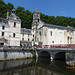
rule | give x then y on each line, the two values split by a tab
14	41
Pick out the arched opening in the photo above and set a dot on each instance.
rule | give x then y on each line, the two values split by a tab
44	54
68	39
60	56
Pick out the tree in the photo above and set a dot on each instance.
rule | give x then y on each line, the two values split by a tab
11	5
26	16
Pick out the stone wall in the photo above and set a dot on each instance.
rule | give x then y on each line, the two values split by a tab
15	54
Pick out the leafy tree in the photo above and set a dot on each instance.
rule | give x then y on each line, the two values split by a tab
26	16
11	5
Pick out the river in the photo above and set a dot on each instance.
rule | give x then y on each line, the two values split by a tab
37	67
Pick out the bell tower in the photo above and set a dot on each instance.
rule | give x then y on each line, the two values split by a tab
36	19
35	23
13	12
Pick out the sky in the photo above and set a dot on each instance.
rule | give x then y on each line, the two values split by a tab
48	7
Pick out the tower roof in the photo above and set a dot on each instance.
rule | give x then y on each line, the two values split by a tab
13	11
13	15
36	11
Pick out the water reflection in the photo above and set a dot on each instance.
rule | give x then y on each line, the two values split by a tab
41	67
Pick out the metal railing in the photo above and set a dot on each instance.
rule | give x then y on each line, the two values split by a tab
57	46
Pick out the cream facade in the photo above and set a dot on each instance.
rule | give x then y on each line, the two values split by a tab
10	30
11	33
48	34
26	37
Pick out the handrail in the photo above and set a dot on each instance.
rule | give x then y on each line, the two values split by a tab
57	46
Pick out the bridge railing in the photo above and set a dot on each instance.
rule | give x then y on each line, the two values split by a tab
57	46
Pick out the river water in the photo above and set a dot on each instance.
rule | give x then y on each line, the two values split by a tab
37	67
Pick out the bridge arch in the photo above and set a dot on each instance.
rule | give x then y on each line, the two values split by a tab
44	54
59	55
53	55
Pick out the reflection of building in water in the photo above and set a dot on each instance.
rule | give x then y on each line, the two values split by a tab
30	71
71	63
70	59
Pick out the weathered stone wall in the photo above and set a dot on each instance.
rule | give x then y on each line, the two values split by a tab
15	54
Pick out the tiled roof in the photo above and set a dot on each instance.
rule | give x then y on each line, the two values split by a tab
26	31
60	27
4	20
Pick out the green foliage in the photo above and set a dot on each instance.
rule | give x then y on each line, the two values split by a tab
11	5
26	16
59	20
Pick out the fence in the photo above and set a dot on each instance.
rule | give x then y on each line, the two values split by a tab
57	46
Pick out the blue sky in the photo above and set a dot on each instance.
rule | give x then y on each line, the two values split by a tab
48	7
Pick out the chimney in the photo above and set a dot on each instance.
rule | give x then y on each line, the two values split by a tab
7	14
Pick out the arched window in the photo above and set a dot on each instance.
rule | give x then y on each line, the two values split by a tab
68	39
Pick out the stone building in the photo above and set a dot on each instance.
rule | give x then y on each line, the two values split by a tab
10	30
48	34
26	37
11	33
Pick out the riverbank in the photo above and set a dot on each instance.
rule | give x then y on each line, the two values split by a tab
16	54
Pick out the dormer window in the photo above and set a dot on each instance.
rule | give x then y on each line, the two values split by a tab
14	24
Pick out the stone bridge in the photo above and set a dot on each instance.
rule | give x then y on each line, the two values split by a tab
54	52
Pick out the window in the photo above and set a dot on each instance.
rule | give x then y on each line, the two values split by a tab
28	39
2	33
14	24
51	33
68	39
22	39
38	20
28	33
40	33
33	35
23	34
13	34
3	27
52	41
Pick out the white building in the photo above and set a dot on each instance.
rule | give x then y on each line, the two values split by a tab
10	30
48	34
11	33
26	37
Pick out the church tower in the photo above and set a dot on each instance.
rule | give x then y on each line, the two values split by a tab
35	23
36	19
